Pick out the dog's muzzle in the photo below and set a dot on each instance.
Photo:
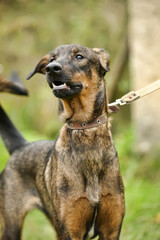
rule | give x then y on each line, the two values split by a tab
62	85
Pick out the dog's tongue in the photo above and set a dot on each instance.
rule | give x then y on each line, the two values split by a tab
60	87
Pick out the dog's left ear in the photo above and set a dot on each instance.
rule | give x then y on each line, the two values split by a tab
104	58
40	67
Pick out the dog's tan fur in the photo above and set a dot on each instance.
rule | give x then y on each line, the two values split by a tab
75	180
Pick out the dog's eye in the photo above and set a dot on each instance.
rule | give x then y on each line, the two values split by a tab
79	56
52	59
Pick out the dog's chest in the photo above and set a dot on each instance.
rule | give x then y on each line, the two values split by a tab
81	175
81	167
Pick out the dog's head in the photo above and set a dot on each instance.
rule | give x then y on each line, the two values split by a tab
70	68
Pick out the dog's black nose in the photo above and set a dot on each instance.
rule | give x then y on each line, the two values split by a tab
54	68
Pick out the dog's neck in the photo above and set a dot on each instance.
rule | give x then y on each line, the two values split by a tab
85	107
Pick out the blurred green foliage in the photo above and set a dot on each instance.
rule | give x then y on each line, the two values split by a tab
29	30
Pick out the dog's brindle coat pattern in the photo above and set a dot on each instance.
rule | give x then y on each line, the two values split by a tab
75	180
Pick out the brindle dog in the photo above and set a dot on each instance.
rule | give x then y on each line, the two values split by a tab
76	179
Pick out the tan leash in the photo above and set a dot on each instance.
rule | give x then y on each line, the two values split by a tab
113	108
134	95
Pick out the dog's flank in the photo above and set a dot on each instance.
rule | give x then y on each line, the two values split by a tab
75	180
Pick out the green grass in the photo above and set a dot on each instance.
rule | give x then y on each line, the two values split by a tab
37	227
141	175
142	210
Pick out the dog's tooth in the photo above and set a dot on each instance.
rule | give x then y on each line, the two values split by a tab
62	86
66	86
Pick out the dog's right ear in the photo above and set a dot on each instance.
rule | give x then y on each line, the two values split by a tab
41	66
104	58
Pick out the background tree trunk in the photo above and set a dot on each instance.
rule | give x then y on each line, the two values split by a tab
144	44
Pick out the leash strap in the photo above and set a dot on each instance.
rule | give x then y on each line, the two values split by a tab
134	95
126	99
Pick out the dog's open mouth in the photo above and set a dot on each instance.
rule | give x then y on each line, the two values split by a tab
58	85
65	90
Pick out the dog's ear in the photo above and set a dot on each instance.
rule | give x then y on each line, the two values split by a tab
41	66
104	58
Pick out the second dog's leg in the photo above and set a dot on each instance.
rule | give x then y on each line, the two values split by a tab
17	197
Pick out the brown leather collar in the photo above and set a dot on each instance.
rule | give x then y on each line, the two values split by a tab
95	123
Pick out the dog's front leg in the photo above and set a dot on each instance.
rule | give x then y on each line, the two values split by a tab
110	214
11	232
77	217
